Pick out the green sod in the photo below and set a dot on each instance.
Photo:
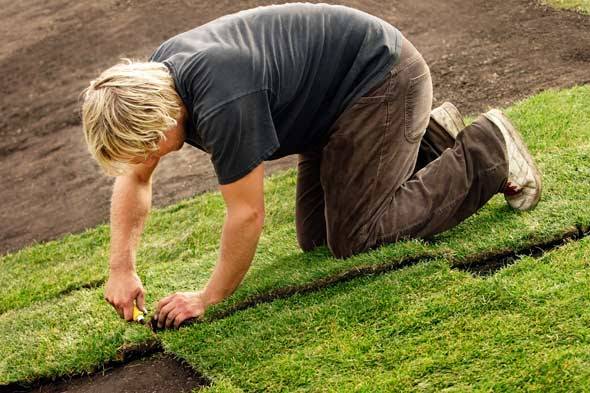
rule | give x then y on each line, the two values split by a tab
578	5
423	328
76	331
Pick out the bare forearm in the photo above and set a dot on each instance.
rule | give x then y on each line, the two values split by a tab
130	207
239	239
244	201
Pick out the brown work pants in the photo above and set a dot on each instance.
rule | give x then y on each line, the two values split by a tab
388	172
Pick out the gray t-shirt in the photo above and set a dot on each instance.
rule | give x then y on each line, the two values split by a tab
270	81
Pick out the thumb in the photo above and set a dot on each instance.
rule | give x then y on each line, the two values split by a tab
140	301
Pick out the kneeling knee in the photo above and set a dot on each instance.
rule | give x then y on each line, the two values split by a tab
343	249
307	244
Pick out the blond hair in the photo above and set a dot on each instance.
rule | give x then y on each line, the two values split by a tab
126	111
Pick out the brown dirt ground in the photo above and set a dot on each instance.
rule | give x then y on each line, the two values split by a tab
481	53
158	374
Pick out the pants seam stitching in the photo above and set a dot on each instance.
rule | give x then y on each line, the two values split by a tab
410	63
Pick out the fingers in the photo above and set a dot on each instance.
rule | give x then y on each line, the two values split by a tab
178	308
125	310
128	311
123	292
141	301
163	314
184	319
112	303
164	302
119	311
173	312
171	317
180	318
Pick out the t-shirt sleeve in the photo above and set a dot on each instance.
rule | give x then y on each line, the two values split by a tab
239	135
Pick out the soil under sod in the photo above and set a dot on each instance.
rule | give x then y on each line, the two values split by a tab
157	374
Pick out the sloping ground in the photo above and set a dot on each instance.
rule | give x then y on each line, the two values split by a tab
424	328
481	53
185	236
50	328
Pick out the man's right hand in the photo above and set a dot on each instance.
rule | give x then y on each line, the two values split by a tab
122	290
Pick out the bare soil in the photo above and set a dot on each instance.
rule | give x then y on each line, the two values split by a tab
481	52
131	372
158	374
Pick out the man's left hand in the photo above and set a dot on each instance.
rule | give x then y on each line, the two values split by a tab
178	307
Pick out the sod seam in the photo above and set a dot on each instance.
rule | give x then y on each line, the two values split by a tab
490	265
475	265
73	288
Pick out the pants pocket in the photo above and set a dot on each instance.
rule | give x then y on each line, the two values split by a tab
418	104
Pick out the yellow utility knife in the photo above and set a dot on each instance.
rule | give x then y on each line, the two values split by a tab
138	315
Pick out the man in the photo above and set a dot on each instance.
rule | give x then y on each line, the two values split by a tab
341	88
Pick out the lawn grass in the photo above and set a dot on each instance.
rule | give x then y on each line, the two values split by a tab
424	328
73	330
187	234
582	6
76	333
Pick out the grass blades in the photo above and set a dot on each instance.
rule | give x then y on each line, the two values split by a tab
74	335
424	328
42	283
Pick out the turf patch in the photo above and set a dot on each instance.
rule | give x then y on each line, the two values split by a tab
55	326
427	327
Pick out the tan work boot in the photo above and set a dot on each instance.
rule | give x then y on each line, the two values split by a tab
523	188
449	118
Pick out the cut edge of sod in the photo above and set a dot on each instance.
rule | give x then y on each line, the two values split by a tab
428	326
536	230
475	264
480	264
125	355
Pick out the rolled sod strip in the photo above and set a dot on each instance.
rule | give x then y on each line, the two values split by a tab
179	250
427	327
